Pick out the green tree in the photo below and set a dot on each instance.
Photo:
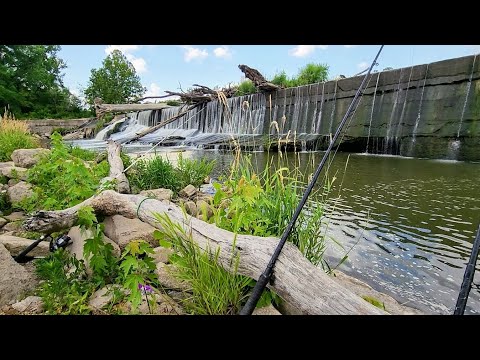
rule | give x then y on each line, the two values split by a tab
31	82
115	82
312	73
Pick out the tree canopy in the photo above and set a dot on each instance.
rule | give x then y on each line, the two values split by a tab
116	82
31	83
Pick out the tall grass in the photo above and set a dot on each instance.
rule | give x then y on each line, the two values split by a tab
194	171
14	134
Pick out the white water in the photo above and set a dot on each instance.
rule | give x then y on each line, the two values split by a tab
417	121
469	85
371	113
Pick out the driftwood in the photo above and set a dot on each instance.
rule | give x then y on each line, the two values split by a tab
258	80
296	280
163	123
202	94
116	167
101	108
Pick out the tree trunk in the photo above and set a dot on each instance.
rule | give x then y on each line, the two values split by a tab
295	279
258	80
116	167
102	109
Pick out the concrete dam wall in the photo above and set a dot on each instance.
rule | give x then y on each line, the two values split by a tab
430	111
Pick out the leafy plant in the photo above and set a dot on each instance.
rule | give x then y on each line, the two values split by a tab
312	73
246	87
14	134
173	102
194	171
4	203
84	154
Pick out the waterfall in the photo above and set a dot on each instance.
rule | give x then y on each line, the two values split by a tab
392	114
469	85
319	122
371	113
333	109
417	121
402	114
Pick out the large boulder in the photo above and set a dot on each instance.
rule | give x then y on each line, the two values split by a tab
14	172
16	216
14	226
78	240
6	164
161	254
159	194
102	297
15	281
2	222
20	191
122	230
15	245
28	157
188	191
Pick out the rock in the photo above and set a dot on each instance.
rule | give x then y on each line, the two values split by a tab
207	189
122	230
161	254
163	305
78	240
20	191
15	245
13	172
77	135
2	222
28	157
203	208
188	191
6	164
15	281
190	208
159	194
266	310
30	305
103	297
13	226
167	279
207	180
15	216
12	182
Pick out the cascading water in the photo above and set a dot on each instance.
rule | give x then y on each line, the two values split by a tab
319	121
371	113
388	138
467	93
333	109
417	121
402	114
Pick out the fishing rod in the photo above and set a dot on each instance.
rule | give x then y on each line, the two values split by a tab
265	277
468	277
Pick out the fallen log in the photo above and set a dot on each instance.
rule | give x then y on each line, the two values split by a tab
101	109
295	280
116	167
258	80
162	124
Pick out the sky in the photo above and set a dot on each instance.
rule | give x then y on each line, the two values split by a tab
171	67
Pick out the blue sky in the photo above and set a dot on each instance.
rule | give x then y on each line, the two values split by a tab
167	67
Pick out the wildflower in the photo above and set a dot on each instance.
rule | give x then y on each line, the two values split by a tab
145	288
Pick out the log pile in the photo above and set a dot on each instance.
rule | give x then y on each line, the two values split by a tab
258	80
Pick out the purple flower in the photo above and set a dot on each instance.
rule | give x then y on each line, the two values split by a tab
145	288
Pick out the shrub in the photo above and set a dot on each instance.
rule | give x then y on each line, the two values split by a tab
312	73
194	171
153	174
246	87
14	134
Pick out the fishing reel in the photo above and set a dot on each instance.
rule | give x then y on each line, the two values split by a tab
61	242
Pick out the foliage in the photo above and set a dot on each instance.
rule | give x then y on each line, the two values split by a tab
65	288
116	82
246	87
62	180
309	74
137	269
14	134
4	203
374	302
84	154
215	291
194	171
173	102
31	83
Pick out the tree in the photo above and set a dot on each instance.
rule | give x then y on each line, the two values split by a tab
31	82
116	82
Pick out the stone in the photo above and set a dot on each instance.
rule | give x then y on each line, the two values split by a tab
203	208
78	240
12	182
6	164
188	191
207	189
20	191
167	279
14	172
163	305
2	222
15	245
15	281
122	230
26	158
161	254
13	226
102	297
29	305
190	208
207	180
159	194
266	310
15	216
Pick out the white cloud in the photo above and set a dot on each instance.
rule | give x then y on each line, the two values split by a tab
192	53
350	46
123	48
305	50
474	47
138	63
223	52
363	65
153	90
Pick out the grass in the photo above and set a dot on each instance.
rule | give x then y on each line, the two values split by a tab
14	134
246	87
194	171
